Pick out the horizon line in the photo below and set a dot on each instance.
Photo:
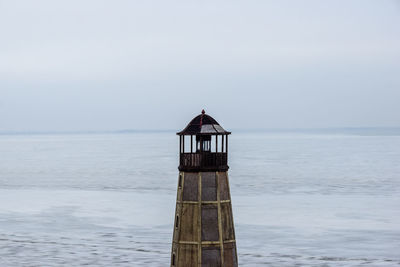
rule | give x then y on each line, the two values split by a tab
396	130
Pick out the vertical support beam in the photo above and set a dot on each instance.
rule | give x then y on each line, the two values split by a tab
183	144
233	224
180	212
200	144
226	145
221	240
191	150
199	222
216	143
222	144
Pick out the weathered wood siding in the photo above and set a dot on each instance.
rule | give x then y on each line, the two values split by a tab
204	232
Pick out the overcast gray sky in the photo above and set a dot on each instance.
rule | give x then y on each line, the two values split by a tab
109	65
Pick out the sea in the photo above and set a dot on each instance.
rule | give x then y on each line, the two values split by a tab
300	198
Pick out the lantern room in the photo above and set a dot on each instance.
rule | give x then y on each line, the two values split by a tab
203	145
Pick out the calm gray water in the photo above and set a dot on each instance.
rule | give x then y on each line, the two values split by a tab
109	199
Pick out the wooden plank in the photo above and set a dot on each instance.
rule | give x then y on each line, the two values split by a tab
209	223
211	256
230	207
230	258
226	221
223	186
187	256
220	222
189	223
191	187
208	186
199	248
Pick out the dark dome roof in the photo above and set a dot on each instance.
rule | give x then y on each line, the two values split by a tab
203	124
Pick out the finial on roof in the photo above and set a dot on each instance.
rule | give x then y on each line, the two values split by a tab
203	112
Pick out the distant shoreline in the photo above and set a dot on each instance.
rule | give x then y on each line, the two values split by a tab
360	131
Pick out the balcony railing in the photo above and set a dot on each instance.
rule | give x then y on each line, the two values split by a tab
203	161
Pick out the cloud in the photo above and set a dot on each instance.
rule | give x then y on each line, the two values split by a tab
95	64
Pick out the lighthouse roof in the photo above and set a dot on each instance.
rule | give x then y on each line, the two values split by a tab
203	124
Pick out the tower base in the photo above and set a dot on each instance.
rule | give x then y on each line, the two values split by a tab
204	232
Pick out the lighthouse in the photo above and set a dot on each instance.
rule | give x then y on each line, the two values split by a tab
204	232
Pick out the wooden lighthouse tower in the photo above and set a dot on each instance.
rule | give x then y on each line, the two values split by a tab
204	233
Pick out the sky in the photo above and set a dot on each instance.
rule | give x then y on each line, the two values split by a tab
94	65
